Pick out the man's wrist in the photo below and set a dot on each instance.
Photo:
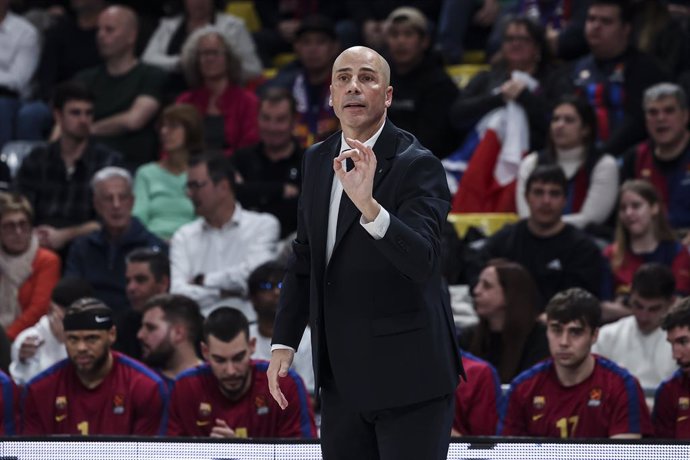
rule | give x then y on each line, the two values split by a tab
371	211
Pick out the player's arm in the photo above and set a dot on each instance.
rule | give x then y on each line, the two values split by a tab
32	420
512	417
629	415
665	414
152	408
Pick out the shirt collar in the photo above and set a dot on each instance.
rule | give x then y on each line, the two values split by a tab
234	221
369	142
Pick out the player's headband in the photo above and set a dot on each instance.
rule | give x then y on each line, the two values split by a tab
96	318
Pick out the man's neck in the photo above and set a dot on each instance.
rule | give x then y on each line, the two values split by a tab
674	149
607	54
572	376
115	234
92	380
222	216
121	65
184	358
545	232
71	149
277	153
265	327
363	133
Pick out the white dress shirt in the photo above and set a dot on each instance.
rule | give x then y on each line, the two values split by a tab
19	53
226	256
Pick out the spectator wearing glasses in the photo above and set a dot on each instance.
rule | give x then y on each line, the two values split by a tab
212	257
29	272
265	284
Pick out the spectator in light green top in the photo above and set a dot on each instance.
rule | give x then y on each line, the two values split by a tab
159	187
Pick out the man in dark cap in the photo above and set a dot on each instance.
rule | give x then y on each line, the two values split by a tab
95	390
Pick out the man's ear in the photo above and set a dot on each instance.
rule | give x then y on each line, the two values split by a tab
204	351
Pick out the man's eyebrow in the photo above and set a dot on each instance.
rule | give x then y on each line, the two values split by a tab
343	69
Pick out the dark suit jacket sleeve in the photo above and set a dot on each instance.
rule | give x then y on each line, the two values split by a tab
412	241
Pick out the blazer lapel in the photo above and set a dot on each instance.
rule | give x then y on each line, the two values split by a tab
321	195
384	149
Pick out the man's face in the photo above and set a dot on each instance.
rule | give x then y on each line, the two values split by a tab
276	122
141	285
230	363
212	63
406	44
606	33
206	196
648	312
113	201
546	202
570	343
155	338
666	121
359	90
265	300
115	35
75	119
316	51
679	338
89	350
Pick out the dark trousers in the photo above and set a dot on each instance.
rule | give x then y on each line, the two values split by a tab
418	431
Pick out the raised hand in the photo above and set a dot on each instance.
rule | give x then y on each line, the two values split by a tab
358	183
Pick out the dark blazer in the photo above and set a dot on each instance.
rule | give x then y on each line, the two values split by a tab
380	323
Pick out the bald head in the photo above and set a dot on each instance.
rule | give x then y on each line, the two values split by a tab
363	52
117	31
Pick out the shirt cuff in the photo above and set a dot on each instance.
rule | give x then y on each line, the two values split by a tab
278	346
378	227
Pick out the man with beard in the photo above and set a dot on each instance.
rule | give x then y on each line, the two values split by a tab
147	274
228	397
95	390
575	394
169	334
672	402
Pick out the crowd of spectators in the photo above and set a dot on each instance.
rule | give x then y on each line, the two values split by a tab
162	179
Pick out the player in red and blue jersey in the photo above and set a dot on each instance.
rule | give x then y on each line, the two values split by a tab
9	400
229	396
671	414
95	390
575	394
477	400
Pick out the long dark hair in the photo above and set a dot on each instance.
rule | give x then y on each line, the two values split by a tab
522	301
589	120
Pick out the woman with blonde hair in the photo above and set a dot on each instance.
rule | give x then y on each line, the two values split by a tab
643	235
28	272
160	201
